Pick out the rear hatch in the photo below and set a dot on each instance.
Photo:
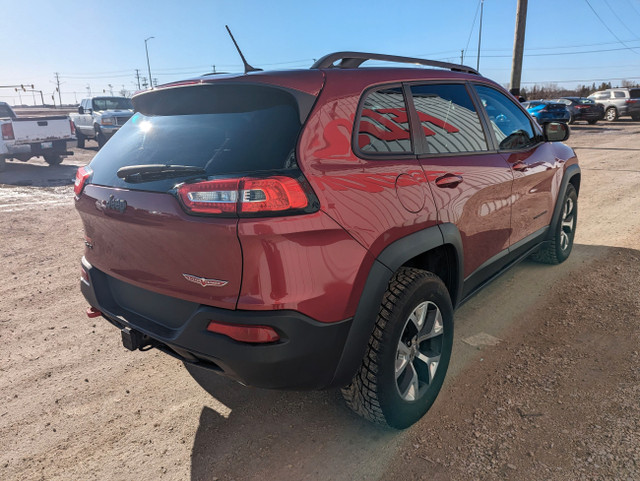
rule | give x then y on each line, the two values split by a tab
634	101
139	224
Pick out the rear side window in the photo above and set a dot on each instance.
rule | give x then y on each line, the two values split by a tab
5	111
224	129
511	126
619	95
384	124
448	119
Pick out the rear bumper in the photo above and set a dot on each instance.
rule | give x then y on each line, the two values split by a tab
545	117
306	356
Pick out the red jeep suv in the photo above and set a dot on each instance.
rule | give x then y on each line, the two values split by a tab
317	228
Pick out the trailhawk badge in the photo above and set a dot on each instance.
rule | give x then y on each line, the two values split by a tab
205	282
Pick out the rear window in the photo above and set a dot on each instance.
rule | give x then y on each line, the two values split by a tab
448	118
225	129
5	111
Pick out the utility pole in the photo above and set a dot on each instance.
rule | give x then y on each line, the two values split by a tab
462	57
58	87
144	82
480	35
214	69
147	51
138	79
518	47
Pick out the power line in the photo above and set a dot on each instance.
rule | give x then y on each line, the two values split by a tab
607	27
619	19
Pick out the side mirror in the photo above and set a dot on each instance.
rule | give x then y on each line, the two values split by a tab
81	110
556	132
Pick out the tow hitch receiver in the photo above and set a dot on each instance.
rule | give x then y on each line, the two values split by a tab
134	340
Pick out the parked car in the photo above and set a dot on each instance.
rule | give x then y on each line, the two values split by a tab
315	229
26	137
582	108
100	117
545	111
619	102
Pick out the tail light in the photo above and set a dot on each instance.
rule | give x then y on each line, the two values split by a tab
7	132
245	333
82	174
629	101
73	127
247	196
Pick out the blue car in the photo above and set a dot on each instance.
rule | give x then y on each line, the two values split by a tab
545	111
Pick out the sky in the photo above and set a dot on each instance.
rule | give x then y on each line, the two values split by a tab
92	45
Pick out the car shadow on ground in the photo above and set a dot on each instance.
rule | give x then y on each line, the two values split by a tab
256	426
38	174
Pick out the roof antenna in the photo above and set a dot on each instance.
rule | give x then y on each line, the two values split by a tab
247	68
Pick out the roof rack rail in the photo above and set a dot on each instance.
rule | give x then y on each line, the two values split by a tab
355	59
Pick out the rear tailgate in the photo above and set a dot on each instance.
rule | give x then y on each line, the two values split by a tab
41	129
146	239
139	232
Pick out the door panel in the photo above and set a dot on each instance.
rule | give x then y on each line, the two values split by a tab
480	205
535	186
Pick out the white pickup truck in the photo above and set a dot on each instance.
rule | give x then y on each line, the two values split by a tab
100	117
26	137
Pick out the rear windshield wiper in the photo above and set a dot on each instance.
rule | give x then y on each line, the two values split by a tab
135	174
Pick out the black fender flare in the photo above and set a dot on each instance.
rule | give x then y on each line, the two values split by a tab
569	173
382	270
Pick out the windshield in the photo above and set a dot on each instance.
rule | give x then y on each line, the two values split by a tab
112	103
248	131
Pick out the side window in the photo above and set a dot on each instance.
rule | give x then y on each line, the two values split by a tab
619	95
384	123
602	95
448	119
511	126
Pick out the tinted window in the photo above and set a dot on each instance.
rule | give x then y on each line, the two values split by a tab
511	126
5	111
601	95
619	95
384	125
112	103
448	119
586	101
634	93
234	129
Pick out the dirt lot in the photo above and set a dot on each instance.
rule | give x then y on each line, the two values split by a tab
556	396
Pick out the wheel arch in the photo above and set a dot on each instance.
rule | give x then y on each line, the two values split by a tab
571	176
438	247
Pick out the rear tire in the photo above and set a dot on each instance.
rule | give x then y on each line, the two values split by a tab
408	353
611	114
557	250
572	120
635	117
3	164
592	122
53	159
